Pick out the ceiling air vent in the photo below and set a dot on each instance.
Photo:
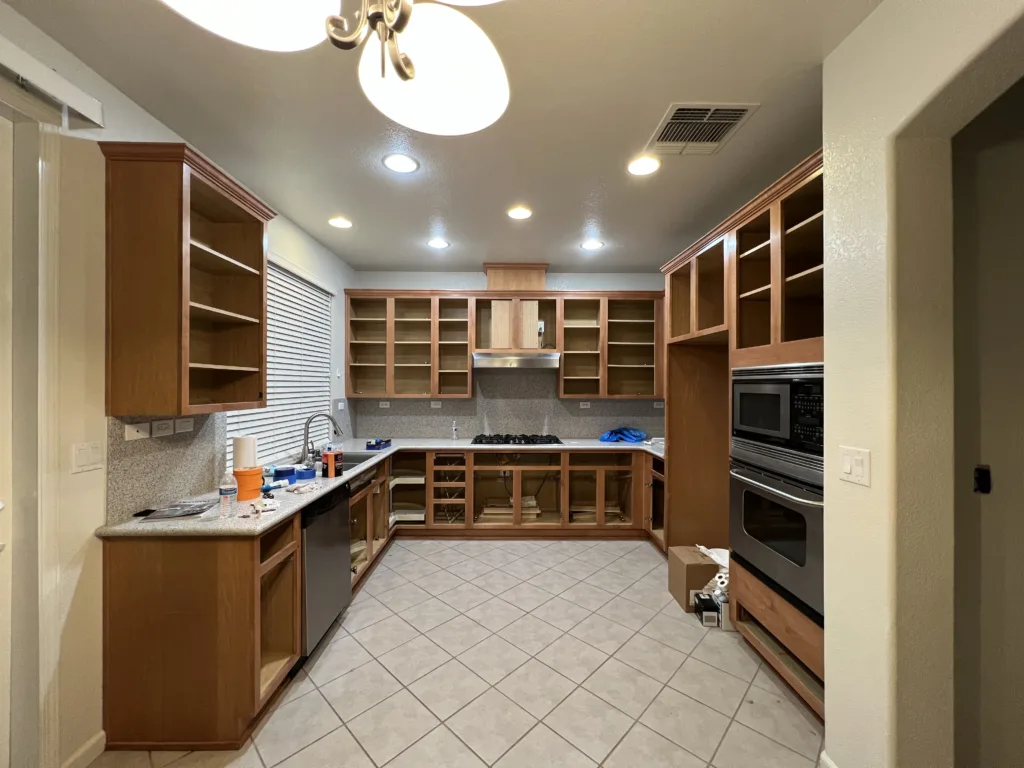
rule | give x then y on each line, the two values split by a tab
698	129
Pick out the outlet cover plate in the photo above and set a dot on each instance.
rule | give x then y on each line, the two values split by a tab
585	406
136	431
435	404
184	425
163	428
384	404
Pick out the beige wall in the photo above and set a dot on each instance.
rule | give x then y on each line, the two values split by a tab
81	411
894	93
988	198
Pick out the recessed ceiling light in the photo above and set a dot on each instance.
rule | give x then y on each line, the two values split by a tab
401	163
340	222
592	245
520	212
644	165
438	242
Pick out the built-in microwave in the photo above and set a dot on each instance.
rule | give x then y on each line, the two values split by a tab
781	405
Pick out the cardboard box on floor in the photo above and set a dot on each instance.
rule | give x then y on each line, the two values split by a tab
689	571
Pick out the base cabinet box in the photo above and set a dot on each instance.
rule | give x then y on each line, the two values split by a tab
689	571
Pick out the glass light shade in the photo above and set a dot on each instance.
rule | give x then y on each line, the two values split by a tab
592	245
271	25
460	85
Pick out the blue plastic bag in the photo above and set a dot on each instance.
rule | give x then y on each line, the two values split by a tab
624	435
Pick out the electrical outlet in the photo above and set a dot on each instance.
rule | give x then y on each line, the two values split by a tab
585	406
163	428
435	404
855	465
136	431
660	405
385	404
184	425
339	405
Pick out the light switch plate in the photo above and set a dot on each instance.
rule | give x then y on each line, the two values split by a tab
163	427
660	405
136	431
855	465
385	404
435	404
184	425
585	406
86	457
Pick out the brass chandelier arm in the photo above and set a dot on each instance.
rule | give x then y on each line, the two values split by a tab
337	29
387	18
397	14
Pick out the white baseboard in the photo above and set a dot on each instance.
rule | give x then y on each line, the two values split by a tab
88	752
826	762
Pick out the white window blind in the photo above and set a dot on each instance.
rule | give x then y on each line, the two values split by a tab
298	370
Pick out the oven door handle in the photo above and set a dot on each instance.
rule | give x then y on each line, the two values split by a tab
781	494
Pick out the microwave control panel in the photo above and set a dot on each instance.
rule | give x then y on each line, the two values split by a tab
808	414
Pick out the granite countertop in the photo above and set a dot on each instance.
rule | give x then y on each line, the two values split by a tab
211	524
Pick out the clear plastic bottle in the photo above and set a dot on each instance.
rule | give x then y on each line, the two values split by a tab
228	494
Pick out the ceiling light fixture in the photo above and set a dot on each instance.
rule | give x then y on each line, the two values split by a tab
438	242
520	212
271	25
644	165
340	222
592	245
401	163
458	83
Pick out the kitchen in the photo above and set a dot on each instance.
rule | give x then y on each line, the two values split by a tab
496	585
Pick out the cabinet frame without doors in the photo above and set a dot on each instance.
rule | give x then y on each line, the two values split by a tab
420	344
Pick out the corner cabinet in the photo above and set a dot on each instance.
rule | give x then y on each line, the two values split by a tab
186	285
420	344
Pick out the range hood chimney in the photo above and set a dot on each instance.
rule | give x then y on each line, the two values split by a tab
528	336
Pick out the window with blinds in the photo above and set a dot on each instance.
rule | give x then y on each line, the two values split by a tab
298	370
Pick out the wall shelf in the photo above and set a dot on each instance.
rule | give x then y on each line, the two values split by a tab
209	367
763	292
205	258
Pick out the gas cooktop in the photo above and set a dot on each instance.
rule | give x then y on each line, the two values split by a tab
516	440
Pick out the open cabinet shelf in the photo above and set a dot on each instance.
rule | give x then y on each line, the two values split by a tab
186	331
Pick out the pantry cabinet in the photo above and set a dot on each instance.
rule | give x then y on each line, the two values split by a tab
186	285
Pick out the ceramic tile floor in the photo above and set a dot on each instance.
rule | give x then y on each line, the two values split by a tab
515	654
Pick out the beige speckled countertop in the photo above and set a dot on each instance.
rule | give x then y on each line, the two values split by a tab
211	524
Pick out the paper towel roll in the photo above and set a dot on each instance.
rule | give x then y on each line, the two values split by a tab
244	452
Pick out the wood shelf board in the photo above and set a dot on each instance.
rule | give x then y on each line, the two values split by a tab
368	319
810	220
581	378
463	343
211	367
582	352
205	258
806	685
646	322
273	666
359	341
760	294
630	343
464	320
420	343
808	283
412	365
368	365
615	365
758	251
412	319
453	371
212	314
706	337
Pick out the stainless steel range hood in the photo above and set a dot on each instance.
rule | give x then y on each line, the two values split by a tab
537	359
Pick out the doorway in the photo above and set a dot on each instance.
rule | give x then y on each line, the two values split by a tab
988	192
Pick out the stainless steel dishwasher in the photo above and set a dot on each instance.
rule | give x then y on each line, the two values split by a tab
327	569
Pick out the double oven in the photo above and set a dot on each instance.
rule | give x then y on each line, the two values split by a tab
776	500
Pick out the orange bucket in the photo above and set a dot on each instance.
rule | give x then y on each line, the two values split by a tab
249	483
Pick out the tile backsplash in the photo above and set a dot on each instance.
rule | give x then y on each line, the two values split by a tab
507	401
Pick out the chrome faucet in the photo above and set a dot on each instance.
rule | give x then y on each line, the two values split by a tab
305	433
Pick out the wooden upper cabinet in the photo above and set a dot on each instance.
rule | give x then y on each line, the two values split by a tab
421	343
186	285
756	282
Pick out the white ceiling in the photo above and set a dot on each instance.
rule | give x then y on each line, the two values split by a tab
590	80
